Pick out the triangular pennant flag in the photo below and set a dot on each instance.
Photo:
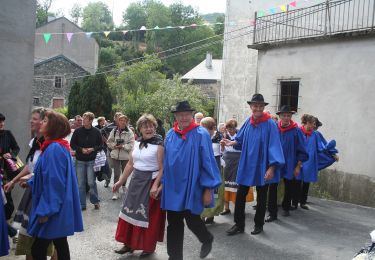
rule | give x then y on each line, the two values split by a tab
260	13
219	23
194	25
169	27
143	28
124	32
273	10
156	27
182	27
69	36
88	34
283	8
294	3
47	37
252	22
106	33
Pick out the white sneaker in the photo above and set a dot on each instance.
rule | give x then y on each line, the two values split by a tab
115	196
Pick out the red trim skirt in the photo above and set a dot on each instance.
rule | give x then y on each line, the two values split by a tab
140	238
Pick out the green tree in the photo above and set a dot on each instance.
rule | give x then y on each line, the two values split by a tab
96	96
219	28
97	17
76	13
74	100
160	102
108	56
42	12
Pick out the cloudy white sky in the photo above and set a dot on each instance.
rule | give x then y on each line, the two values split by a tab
204	6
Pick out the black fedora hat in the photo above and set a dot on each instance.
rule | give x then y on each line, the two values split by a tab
257	98
182	106
285	109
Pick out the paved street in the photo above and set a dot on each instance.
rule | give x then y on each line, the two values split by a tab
329	230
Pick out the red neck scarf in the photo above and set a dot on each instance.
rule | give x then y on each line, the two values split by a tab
265	116
186	130
61	141
291	126
307	134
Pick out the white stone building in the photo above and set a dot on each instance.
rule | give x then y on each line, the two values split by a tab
321	67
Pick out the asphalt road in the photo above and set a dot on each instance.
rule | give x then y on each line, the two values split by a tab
329	230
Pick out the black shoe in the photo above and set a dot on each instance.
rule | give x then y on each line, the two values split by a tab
293	207
206	248
255	207
209	220
270	218
257	230
145	254
285	213
225	212
304	206
234	230
124	250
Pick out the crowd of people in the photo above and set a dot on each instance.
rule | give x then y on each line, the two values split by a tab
193	173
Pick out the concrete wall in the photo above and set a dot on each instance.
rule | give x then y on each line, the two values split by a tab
337	85
81	50
17	33
239	62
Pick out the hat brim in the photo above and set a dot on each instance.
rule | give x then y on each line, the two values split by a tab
184	110
252	102
290	112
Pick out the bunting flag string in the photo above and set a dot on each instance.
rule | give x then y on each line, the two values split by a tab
282	8
69	35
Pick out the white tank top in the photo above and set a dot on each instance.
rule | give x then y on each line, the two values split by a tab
146	159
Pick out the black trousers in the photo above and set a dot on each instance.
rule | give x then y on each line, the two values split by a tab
272	199
291	193
175	231
239	210
301	193
40	245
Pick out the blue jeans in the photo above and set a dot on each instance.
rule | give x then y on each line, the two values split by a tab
85	174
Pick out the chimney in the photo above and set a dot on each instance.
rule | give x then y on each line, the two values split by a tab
209	60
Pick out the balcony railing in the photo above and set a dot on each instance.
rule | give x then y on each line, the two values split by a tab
325	19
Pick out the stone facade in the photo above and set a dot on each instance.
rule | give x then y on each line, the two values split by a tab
48	92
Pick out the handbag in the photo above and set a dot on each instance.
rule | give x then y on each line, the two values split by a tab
14	166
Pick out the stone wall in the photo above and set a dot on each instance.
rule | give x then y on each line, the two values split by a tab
346	187
45	89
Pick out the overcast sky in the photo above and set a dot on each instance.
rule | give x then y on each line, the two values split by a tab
204	6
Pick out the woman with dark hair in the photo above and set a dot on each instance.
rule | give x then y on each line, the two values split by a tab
9	150
141	221
25	242
55	212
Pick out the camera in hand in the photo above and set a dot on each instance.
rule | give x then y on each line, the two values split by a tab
120	141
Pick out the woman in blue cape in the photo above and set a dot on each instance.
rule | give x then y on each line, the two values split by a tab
190	176
261	155
4	241
318	152
56	211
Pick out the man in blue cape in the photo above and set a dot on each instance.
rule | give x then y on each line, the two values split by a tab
261	155
189	177
294	149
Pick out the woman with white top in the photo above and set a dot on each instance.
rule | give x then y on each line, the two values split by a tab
141	220
231	158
